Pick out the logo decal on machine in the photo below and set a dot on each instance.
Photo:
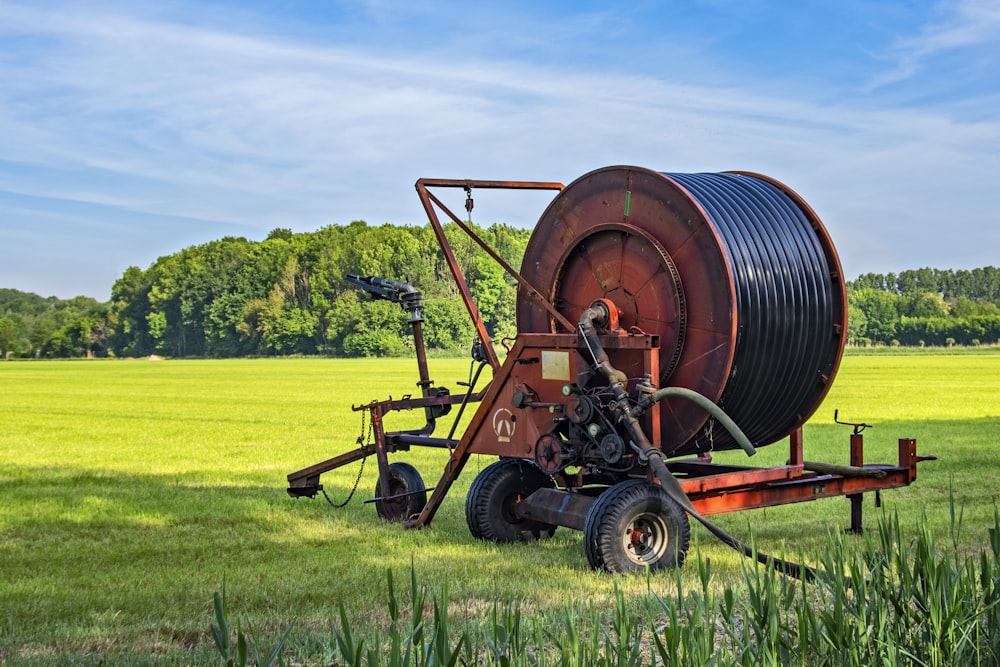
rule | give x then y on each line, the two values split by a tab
503	424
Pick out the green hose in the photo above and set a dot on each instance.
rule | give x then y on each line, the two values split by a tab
709	406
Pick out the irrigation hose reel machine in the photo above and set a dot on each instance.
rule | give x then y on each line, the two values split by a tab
661	317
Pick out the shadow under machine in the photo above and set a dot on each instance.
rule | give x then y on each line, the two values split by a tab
661	317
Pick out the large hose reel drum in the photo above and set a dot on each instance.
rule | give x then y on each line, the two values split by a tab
733	271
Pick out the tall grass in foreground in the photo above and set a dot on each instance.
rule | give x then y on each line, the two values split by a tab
886	603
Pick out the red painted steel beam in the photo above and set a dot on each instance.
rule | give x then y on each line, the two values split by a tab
456	272
795	491
490	185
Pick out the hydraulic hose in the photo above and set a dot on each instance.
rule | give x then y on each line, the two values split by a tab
706	404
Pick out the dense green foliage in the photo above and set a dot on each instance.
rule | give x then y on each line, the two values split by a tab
31	325
925	307
284	295
287	295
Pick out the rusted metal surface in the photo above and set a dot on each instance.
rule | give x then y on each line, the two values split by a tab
507	423
630	199
494	428
305	482
732	489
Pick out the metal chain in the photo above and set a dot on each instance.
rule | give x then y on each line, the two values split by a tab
357	481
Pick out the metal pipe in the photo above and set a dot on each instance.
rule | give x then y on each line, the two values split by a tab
465	400
599	314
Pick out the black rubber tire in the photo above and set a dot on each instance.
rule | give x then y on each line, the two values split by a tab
635	524
489	505
403	479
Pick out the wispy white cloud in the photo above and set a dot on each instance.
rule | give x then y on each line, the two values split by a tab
955	25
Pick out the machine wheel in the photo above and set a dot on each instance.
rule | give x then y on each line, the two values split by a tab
633	525
403	479
489	507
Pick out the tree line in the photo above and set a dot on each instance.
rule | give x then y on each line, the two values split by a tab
287	295
284	295
925	307
34	326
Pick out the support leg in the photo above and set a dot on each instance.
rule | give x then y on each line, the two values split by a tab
857	461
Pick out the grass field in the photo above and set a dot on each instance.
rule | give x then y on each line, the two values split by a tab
131	490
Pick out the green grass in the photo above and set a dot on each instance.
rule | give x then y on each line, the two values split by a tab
130	490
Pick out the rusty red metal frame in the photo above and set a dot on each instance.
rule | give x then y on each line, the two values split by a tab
520	367
725	489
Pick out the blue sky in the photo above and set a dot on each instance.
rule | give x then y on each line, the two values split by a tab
132	129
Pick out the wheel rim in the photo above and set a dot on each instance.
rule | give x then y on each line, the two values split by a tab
396	508
507	508
645	538
491	505
406	493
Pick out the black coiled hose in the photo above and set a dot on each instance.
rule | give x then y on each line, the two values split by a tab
786	346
